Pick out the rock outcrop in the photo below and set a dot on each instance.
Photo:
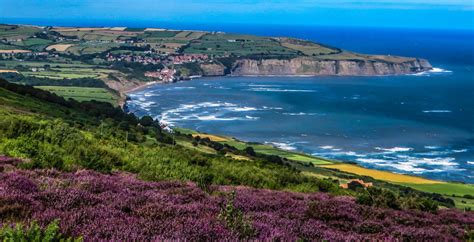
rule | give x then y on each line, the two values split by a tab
316	67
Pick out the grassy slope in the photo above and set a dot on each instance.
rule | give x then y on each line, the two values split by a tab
422	184
83	93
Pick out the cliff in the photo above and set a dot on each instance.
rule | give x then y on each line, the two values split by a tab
320	67
212	69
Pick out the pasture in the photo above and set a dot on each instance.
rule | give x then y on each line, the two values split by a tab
82	93
240	45
445	188
306	47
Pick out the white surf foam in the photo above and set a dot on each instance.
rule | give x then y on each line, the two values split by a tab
435	70
394	149
300	114
283	146
261	89
437	111
371	160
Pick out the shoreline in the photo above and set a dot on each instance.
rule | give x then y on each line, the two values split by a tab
145	85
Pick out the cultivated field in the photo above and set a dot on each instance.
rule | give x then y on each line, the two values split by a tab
82	93
14	51
59	47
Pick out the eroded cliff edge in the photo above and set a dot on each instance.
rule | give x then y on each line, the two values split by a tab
321	67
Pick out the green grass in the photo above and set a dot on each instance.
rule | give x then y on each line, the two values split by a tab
158	34
69	73
240	45
463	203
36	41
82	93
17	32
266	149
449	189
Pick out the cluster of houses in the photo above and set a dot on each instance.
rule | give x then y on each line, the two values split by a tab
164	75
133	58
187	58
11	53
169	60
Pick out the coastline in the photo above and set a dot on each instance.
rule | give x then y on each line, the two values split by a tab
352	170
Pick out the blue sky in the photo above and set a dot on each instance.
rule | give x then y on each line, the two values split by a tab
440	14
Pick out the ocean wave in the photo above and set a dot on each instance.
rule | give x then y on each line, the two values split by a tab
460	151
272	108
215	118
470	162
151	94
430	147
261	89
283	146
180	88
437	111
371	160
446	161
300	114
251	117
242	109
207	111
435	70
394	149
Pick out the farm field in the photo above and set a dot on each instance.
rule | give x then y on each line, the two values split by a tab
61	73
82	93
381	175
240	45
59	47
14	51
446	188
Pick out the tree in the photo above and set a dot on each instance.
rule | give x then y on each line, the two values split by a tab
146	121
249	150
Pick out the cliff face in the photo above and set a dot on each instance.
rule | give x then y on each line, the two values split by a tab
309	66
212	69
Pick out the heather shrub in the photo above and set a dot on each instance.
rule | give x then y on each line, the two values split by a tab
118	206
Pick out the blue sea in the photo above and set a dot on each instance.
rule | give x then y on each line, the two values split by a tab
419	124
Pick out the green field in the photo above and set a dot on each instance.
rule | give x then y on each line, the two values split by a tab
83	93
16	32
261	148
240	45
449	189
61	73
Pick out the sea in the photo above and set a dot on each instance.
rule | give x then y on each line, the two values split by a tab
420	124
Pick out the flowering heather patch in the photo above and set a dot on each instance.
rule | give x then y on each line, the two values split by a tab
5	160
121	207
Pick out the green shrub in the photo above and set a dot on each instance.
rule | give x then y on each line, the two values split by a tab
33	232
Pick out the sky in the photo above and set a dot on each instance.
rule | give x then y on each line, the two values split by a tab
431	14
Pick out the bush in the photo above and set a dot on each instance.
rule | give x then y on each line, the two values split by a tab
33	232
234	219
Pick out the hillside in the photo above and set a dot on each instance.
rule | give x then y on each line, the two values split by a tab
116	60
83	163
